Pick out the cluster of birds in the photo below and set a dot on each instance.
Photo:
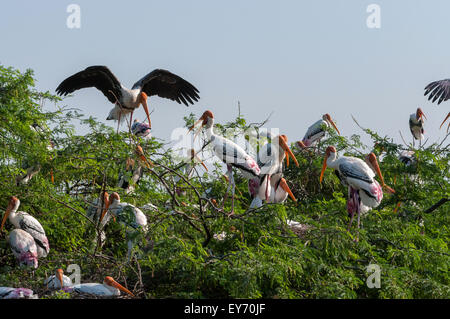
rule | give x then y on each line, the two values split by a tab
264	173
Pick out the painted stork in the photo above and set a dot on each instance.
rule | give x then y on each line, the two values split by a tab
128	182
317	131
280	192
439	90
58	280
416	124
407	157
270	160
158	82
28	223
141	129
108	288
24	248
128	215
229	152
16	293
359	177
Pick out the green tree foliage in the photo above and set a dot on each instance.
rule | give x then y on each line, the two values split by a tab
192	249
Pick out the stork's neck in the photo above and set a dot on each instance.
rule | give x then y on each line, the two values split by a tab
331	161
114	291
209	128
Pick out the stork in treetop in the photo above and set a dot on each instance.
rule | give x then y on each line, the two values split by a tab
58	280
24	248
416	124
108	288
229	152
128	215
317	131
16	293
28	223
158	82
355	173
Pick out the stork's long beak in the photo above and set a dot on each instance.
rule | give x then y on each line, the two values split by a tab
105	209
421	114
145	106
8	210
374	162
301	144
286	188
324	166
287	151
199	129
333	124
448	115
198	159
140	153
115	284
59	275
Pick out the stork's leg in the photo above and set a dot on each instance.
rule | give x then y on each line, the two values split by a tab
118	122
229	170
267	187
358	209
352	212
233	189
131	121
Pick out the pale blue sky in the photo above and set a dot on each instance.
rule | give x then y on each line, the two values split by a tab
298	59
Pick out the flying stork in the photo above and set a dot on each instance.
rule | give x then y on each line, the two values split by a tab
439	90
229	152
317	131
26	222
359	177
158	82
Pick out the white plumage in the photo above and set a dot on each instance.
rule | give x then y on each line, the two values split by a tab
23	247
28	223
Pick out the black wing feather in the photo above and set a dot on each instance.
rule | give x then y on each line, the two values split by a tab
97	76
438	90
168	85
347	171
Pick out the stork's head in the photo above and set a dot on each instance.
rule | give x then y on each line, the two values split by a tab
420	114
13	205
143	100
206	116
282	141
114	197
326	117
109	281
372	161
330	151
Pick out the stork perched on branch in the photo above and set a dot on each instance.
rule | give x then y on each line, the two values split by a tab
229	152
158	82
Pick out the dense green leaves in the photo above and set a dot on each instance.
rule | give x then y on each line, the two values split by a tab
193	249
